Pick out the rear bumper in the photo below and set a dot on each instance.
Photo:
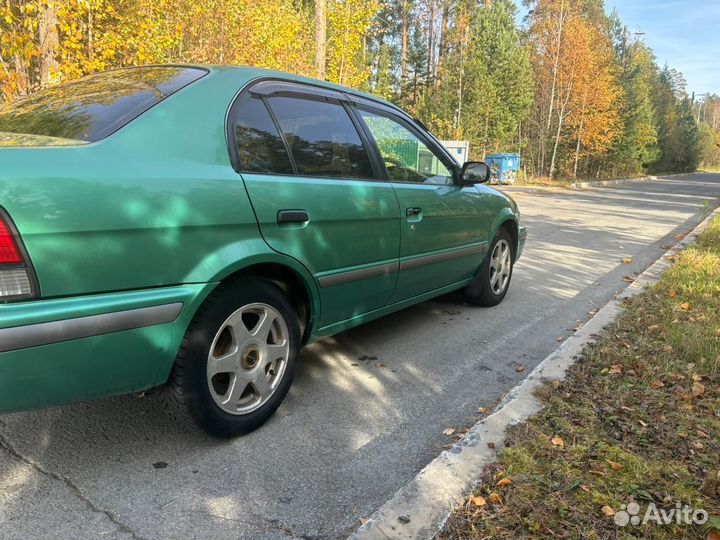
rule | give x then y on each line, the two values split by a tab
56	351
522	236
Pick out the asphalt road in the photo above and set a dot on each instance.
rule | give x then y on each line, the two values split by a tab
368	407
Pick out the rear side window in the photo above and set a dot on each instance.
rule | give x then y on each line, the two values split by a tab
91	108
259	145
322	138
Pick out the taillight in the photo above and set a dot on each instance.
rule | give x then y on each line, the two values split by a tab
17	279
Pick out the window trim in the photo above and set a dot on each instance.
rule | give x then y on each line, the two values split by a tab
273	86
430	142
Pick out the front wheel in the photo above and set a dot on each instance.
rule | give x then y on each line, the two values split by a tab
493	280
237	360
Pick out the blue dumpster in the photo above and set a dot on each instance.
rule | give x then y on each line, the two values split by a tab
504	167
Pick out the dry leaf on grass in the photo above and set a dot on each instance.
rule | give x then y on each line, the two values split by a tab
698	389
608	511
657	384
585	488
495	498
557	441
702	434
616	466
504	482
478	501
685	306
615	369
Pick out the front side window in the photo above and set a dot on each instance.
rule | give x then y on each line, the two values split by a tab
322	138
406	157
91	108
259	145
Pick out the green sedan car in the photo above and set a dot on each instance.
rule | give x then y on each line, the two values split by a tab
192	228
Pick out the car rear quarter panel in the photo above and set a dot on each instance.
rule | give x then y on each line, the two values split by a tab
143	208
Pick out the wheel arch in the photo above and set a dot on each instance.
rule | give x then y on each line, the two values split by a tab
508	221
255	259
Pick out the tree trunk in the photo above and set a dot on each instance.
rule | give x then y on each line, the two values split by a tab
443	41
431	41
404	53
320	37
48	36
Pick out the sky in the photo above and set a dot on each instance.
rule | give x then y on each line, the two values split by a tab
683	33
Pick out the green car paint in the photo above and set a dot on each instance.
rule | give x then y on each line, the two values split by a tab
155	215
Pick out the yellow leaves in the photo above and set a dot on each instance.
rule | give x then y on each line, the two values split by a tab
685	306
495	498
607	511
627	260
504	482
478	501
616	466
698	389
557	441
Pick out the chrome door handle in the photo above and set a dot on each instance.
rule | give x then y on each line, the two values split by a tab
413	212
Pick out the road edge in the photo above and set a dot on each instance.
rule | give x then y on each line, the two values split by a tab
647	178
420	508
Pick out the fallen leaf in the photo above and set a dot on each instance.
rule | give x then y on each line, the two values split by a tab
682	435
698	389
504	482
702	434
627	260
643	424
673	293
482	410
628	279
698	445
598	473
685	306
608	511
696	377
495	498
679	236
491	445
616	466
653	327
559	338
520	369
478	500
557	441
449	431
657	384
615	369
713	535
585	488
363	521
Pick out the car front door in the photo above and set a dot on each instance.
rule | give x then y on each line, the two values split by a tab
444	226
318	193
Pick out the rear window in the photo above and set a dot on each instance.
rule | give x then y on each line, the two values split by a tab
90	108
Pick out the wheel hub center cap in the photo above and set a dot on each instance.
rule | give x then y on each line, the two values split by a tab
250	358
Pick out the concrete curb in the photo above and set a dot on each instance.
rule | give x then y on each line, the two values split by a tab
595	183
420	508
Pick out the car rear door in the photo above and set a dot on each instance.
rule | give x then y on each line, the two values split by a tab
318	194
444	226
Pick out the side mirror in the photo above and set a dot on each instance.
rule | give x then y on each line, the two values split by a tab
474	172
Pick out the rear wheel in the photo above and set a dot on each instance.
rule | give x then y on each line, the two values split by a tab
493	280
237	360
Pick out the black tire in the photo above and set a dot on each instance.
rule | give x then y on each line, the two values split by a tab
480	292
187	394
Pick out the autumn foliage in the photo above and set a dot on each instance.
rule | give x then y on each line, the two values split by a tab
569	88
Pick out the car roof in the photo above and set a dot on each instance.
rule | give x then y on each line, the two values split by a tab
247	74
